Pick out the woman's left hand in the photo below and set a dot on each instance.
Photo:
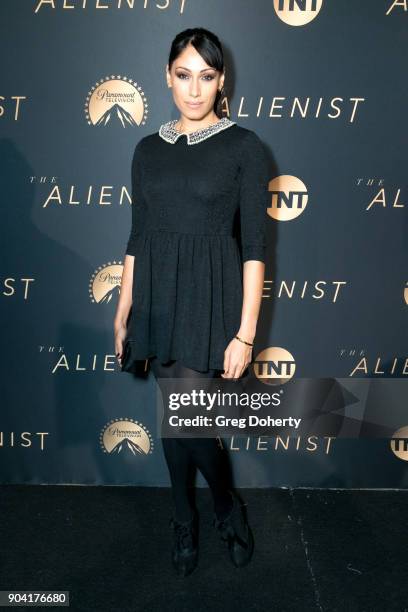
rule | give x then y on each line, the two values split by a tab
237	357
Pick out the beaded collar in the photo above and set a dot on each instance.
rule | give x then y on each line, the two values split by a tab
169	133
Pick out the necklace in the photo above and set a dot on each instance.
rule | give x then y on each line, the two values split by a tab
169	133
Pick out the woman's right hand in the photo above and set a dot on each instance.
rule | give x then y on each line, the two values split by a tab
124	306
120	334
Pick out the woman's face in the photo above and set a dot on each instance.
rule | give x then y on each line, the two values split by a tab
194	84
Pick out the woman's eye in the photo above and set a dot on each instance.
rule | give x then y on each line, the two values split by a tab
207	77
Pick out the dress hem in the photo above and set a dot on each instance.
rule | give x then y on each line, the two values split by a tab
186	362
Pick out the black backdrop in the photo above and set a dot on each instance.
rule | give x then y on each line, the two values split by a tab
324	86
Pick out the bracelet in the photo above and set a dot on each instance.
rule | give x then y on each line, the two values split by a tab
241	340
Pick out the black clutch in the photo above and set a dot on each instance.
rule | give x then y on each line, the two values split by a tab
138	367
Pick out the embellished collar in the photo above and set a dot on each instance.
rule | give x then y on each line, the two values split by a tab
169	133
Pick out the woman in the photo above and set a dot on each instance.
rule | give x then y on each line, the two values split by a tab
193	281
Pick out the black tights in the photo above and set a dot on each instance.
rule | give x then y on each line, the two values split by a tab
182	454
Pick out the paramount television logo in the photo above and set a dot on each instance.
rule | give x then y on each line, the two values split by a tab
116	101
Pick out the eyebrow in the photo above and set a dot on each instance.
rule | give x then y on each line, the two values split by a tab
204	69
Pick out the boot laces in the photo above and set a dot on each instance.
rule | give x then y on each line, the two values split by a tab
228	531
183	534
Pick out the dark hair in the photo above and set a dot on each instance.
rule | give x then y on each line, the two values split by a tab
208	46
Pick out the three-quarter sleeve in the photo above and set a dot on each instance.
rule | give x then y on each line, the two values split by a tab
253	198
138	202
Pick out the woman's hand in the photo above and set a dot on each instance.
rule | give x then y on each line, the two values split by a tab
237	357
120	333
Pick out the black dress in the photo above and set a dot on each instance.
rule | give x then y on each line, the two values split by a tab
189	192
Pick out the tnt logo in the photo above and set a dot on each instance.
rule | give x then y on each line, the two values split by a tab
289	197
399	443
297	12
274	366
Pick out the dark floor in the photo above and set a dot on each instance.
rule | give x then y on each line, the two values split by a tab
110	547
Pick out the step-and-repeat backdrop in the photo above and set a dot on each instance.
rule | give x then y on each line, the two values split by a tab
323	83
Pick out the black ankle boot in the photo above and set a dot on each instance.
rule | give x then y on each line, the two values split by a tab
235	530
185	549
